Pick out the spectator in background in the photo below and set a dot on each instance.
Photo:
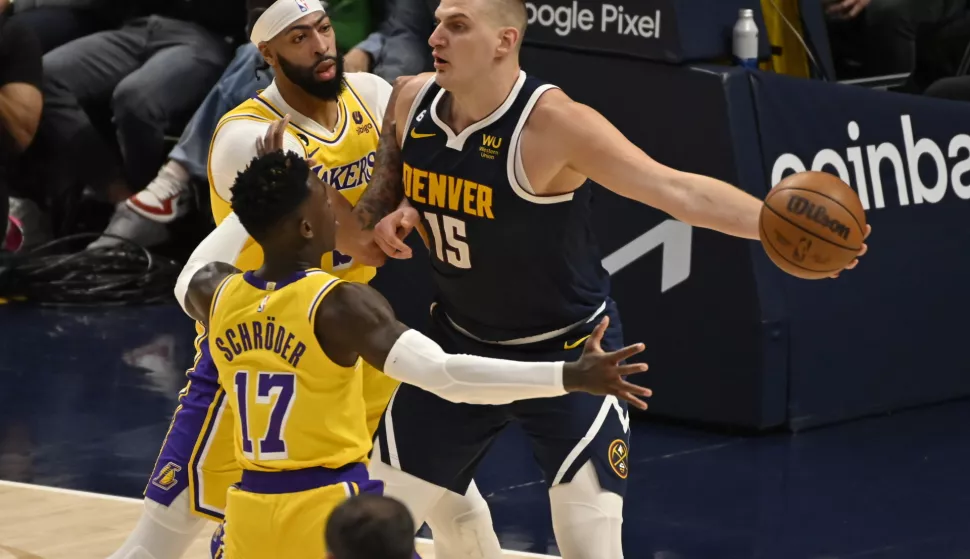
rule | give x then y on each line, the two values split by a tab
55	22
878	37
153	71
370	527
405	49
20	109
143	217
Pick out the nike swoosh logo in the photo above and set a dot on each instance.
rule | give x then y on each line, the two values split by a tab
575	344
417	136
312	153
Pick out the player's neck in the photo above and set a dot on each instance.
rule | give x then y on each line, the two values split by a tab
324	113
475	103
279	269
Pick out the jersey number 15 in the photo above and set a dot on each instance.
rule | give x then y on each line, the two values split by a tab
283	386
454	249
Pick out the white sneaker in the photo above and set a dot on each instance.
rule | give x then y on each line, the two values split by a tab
162	201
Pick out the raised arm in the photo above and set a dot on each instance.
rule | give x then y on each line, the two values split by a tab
592	147
355	320
209	263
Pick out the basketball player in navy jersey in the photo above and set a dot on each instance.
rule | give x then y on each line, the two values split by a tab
495	167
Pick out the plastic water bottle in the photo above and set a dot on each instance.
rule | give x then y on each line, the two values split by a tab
746	40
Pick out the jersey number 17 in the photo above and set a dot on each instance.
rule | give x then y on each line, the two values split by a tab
283	386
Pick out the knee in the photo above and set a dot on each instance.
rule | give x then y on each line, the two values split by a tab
176	517
133	102
587	520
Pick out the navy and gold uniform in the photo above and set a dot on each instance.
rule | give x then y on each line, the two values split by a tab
300	419
516	276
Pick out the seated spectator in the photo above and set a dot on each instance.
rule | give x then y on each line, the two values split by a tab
56	22
20	110
143	217
878	37
370	527
153	72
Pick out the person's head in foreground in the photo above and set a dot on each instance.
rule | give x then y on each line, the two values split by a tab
370	527
285	208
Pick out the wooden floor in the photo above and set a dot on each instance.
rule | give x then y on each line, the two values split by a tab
38	522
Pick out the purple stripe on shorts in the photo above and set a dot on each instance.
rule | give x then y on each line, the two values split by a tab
294	481
171	474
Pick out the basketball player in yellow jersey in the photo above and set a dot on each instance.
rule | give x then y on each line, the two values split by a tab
289	343
333	122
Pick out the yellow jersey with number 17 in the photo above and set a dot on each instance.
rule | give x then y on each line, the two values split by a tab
293	407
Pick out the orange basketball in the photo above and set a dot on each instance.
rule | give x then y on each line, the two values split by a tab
812	225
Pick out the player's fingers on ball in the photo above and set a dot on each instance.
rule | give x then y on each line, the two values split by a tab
852	265
864	249
868	231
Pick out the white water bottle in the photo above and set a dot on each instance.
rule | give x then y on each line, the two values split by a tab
746	40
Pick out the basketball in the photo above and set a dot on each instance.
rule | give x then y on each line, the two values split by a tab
812	225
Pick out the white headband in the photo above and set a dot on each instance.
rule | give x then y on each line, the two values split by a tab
281	15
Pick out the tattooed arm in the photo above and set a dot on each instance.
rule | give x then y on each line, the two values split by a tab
383	207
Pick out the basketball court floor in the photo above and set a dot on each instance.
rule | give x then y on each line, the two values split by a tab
86	395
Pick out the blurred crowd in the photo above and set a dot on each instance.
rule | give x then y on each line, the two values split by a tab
107	107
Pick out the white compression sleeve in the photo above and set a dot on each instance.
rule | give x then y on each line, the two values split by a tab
418	360
223	244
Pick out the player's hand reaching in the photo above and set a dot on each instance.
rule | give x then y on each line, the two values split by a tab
862	252
390	232
273	140
600	373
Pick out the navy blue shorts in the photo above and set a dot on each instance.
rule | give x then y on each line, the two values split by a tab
442	442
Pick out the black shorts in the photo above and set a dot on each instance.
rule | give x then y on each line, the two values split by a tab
442	442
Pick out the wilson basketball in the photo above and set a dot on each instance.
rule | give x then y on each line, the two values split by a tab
812	225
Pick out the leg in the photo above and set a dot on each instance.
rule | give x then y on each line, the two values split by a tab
187	485
581	443
82	73
168	85
425	453
239	82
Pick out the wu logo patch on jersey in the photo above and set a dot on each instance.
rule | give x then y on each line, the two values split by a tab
166	477
619	456
490	146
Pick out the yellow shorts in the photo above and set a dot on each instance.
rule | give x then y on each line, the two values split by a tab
284	514
198	453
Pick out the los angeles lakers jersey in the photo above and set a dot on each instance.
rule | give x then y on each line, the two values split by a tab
506	263
343	159
293	407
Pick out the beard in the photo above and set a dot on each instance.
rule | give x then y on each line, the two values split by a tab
306	79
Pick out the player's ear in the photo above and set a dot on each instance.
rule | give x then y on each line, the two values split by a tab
508	39
306	230
265	52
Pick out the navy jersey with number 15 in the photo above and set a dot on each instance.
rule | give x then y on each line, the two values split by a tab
506	264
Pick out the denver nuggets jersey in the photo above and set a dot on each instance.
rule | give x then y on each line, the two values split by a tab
506	264
344	159
293	407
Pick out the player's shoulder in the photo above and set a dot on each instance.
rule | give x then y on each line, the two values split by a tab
408	87
553	110
368	85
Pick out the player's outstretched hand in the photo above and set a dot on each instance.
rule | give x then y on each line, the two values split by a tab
390	232
600	373
862	252
273	140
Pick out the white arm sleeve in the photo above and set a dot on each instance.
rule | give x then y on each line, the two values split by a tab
418	360
235	146
223	244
